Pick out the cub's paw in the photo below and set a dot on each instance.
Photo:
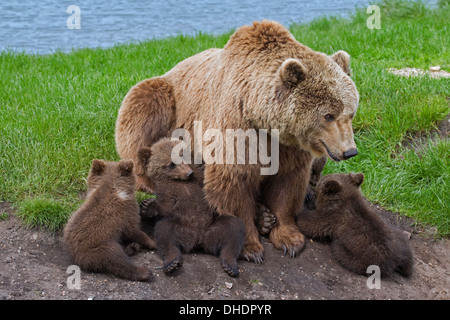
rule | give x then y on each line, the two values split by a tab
287	238
172	265
231	268
147	208
132	249
265	219
310	198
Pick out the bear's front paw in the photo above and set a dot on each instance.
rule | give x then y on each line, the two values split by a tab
147	208
287	238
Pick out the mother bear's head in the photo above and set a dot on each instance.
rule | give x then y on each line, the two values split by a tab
308	95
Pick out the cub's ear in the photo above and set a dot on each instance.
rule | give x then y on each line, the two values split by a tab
342	58
98	166
331	187
126	167
357	178
292	72
143	156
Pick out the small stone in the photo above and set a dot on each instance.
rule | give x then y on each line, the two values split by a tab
436	68
229	285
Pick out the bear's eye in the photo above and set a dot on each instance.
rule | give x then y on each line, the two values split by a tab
329	117
172	165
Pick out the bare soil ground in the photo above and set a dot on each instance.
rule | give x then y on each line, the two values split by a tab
33	265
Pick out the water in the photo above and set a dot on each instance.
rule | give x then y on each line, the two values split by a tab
41	26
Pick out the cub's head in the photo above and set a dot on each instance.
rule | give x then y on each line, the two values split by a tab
157	163
118	175
318	102
338	189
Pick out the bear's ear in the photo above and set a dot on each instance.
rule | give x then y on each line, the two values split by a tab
357	178
331	187
292	72
342	58
125	167
98	166
143	156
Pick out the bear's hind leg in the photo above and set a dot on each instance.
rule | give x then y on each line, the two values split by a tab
226	237
168	246
347	259
140	237
116	262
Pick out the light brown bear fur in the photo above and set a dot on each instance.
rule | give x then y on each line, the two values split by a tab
109	218
360	237
262	79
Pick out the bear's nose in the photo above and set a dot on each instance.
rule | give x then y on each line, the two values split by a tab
350	153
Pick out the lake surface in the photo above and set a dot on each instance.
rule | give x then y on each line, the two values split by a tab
42	27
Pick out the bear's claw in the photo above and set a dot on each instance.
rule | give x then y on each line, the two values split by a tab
287	238
257	257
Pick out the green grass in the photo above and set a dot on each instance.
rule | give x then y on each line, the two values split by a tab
58	111
44	211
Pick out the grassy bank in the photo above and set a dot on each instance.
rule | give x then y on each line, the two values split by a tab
58	111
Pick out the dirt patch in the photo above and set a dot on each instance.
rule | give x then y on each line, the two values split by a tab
418	140
33	265
433	72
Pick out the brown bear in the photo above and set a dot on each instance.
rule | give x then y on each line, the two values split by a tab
187	221
96	233
263	79
360	237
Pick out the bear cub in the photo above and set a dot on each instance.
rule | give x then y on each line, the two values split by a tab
186	221
96	233
360	237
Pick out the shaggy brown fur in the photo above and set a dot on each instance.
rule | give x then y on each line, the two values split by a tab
316	173
187	220
262	79
360	237
109	218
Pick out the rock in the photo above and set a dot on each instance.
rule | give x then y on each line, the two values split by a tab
434	69
229	285
407	234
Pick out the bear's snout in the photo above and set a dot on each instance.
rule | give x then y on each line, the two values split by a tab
350	153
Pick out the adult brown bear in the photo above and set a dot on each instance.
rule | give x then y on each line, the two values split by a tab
262	79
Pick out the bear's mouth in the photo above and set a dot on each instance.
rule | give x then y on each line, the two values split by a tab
330	154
